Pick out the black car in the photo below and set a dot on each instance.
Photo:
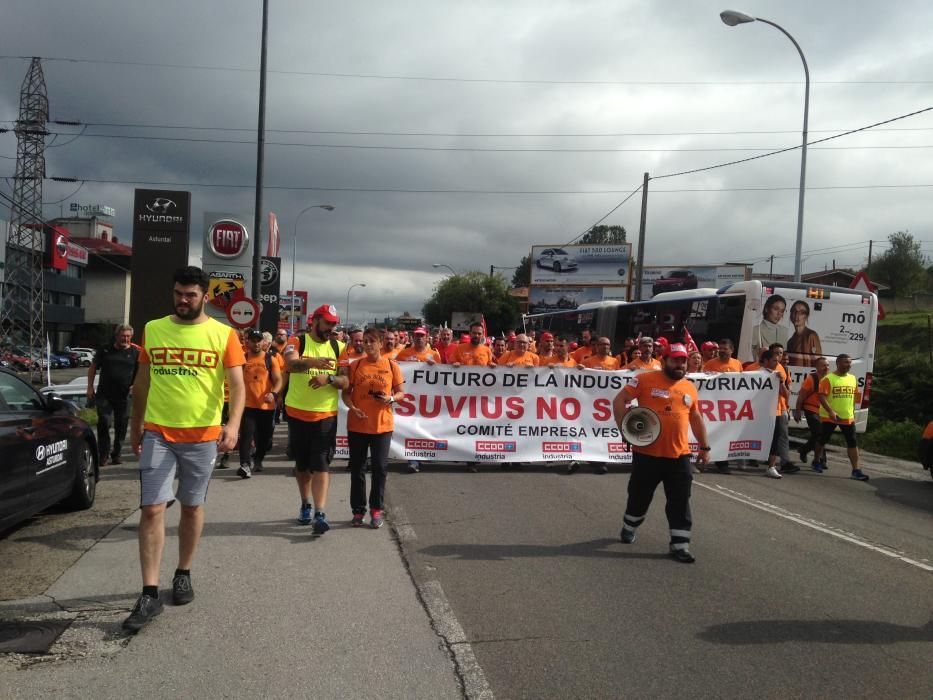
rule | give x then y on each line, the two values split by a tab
47	453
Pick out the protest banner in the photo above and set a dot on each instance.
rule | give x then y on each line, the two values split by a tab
486	414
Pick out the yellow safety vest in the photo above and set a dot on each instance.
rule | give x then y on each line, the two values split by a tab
302	396
186	372
841	396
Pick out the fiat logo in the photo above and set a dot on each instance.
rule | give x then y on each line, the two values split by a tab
227	238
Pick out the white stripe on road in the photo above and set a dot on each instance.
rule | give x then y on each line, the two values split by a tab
475	686
807	522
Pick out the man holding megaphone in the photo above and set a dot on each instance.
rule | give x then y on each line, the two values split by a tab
661	446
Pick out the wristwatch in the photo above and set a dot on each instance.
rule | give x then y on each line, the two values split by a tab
330	378
705	449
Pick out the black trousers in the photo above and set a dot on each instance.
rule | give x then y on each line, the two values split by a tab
111	413
377	446
256	426
813	423
677	477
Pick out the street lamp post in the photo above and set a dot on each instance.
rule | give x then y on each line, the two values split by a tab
358	284
325	207
733	18
436	265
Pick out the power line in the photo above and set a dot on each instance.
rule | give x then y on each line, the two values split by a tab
604	216
470	149
456	79
193	127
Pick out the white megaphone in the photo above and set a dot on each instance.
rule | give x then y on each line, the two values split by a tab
641	426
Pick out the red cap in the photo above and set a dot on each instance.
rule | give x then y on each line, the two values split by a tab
326	311
547	336
573	346
420	330
464	337
662	342
710	345
677	350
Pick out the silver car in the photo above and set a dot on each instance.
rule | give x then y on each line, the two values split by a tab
557	259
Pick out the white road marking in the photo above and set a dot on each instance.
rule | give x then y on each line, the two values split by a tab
808	522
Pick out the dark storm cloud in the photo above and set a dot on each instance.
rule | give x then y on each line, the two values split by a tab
390	240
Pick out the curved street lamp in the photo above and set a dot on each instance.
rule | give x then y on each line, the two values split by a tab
325	207
358	284
732	19
436	265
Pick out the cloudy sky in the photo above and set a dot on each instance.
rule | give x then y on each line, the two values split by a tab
464	133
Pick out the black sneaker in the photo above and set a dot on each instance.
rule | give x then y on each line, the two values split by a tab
803	455
790	468
473	467
182	590
320	525
222	464
257	467
627	536
573	467
145	609
602	469
244	472
682	555
723	468
115	459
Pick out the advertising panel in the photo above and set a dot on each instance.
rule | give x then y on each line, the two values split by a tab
579	265
270	269
671	278
161	220
293	309
227	254
544	299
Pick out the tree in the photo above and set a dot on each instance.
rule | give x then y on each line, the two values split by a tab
603	235
522	276
473	292
903	266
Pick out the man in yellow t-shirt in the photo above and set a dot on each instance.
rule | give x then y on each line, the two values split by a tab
838	395
176	430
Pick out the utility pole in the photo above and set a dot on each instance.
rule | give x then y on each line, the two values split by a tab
771	269
260	155
22	316
868	269
641	237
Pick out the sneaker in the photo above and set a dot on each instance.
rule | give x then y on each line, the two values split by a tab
320	524
145	609
773	473
115	459
602	469
257	467
682	555
376	519
182	590
803	455
573	467
723	468
627	536
790	468
357	520
817	467
473	467
413	467
244	472
859	475
304	513
104	461
222	464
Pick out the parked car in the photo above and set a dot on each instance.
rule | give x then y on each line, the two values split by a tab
674	281
74	391
556	259
74	360
85	356
47	454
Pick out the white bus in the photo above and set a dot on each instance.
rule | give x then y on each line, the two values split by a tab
808	320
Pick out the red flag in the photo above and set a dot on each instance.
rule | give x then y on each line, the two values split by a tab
688	340
273	250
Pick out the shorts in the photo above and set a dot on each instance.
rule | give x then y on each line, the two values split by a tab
847	430
161	459
313	443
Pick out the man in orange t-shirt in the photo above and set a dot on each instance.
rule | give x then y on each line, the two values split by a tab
390	346
521	356
375	384
419	351
587	346
808	401
666	460
602	358
545	347
770	361
645	359
354	349
723	362
473	353
561	356
262	378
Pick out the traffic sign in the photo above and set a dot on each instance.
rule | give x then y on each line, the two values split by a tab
861	281
243	312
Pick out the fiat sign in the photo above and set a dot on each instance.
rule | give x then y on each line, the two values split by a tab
227	238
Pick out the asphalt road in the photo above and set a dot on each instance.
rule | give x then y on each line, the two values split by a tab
815	585
812	586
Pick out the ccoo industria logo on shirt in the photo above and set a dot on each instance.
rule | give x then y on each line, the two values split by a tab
182	361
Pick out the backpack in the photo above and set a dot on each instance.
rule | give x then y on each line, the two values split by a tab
333	344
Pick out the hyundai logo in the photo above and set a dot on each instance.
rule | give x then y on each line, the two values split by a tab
160	205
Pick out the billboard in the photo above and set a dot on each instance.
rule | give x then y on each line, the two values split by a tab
544	299
161	220
293	308
673	278
227	257
269	290
581	265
